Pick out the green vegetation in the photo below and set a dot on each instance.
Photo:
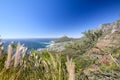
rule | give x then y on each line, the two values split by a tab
91	61
35	66
85	43
95	56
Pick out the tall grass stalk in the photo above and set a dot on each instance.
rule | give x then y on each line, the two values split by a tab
17	55
9	52
71	69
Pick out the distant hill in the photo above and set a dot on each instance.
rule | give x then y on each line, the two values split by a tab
63	39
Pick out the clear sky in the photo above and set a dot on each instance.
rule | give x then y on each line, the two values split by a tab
54	18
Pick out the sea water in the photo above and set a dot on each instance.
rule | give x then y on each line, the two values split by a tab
34	43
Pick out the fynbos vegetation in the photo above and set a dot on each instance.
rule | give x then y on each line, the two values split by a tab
34	66
95	56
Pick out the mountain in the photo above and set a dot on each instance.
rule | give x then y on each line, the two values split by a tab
97	53
111	33
95	56
63	39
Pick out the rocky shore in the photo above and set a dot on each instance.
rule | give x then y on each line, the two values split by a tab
57	47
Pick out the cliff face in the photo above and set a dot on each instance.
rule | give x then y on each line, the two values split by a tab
110	27
107	52
111	33
116	26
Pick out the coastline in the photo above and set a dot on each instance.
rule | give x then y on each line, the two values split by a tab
30	43
53	47
50	44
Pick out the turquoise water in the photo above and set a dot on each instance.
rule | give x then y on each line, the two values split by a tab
30	43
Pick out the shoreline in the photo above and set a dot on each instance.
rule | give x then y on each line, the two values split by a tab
53	47
50	44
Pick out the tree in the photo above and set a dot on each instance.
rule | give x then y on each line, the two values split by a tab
93	35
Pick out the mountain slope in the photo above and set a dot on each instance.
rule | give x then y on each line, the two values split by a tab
111	32
97	58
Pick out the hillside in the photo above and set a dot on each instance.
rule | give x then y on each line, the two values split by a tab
63	39
95	56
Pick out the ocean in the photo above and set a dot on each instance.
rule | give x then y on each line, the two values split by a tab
30	43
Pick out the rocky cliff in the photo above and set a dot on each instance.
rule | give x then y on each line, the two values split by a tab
111	32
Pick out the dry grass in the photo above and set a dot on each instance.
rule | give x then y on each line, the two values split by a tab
105	59
71	69
103	43
9	52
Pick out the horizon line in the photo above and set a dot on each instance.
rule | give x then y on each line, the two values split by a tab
37	37
32	37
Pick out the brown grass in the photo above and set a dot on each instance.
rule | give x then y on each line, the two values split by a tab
105	59
71	69
103	43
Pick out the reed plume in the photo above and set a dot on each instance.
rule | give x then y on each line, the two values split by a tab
17	55
24	52
1	47
71	69
9	51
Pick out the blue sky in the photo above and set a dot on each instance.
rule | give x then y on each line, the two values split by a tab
54	18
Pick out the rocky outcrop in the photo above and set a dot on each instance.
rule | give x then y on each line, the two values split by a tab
116	26
105	27
111	31
110	28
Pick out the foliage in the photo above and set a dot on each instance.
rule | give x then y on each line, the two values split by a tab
86	43
84	62
36	66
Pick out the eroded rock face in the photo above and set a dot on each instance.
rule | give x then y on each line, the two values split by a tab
105	27
110	27
111	33
116	27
